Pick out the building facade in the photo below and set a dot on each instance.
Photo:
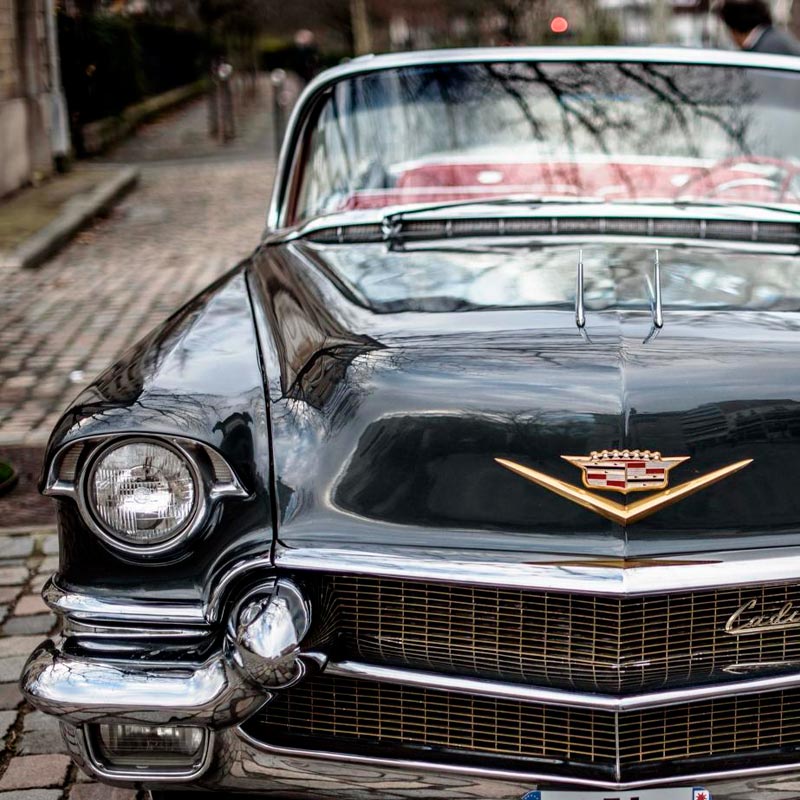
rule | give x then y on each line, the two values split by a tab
33	124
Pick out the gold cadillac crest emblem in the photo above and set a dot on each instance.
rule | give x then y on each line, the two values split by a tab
624	471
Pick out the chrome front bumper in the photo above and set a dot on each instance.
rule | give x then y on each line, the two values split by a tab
81	692
78	691
238	764
261	654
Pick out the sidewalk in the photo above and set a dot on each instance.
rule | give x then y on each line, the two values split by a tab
40	220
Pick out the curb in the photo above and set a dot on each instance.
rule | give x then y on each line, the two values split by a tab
77	213
39	531
27	439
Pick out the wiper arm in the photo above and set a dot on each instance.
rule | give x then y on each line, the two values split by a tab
391	224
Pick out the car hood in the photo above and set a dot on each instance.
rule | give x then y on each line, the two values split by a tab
387	427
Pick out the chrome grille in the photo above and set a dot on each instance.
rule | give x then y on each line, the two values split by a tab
363	717
719	727
343	715
611	644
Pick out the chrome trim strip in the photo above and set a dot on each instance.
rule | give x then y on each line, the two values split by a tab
71	627
359	66
82	606
764	248
557	697
52	482
93	763
556	573
88	607
610	210
534	777
212	609
79	690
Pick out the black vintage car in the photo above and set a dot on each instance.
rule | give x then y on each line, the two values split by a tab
478	479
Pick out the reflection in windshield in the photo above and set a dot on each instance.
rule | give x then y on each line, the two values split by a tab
630	131
444	278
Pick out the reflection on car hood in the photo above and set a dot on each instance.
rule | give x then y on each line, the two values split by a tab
386	427
444	276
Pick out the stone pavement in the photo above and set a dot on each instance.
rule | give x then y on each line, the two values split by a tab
199	208
33	762
190	220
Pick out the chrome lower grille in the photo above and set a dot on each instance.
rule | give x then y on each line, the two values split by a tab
610	644
406	722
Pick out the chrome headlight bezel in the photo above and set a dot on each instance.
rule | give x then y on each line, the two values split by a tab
71	468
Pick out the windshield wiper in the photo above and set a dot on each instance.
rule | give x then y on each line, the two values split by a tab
391	224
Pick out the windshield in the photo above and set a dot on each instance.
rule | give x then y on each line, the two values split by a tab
604	131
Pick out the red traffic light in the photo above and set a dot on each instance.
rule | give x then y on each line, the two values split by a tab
559	25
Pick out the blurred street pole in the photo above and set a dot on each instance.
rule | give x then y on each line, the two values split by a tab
278	80
222	119
362	39
660	27
783	12
59	133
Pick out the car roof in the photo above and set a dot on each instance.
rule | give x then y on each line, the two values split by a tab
654	55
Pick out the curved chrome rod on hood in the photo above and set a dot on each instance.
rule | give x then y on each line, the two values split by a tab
580	308
655	302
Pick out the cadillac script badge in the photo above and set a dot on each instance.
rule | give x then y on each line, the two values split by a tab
624	471
749	618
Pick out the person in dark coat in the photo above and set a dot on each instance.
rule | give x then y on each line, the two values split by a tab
750	25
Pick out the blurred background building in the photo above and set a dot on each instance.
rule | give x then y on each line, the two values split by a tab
110	55
33	133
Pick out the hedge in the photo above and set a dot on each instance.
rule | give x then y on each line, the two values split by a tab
111	62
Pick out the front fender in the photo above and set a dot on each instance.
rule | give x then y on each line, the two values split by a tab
198	376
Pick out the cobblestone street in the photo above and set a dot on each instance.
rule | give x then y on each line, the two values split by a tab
198	209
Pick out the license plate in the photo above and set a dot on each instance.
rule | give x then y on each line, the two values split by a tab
694	793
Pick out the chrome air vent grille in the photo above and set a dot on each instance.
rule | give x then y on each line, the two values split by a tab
416	229
348	234
370	718
596	643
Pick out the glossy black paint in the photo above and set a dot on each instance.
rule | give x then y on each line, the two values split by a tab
198	376
385	426
386	437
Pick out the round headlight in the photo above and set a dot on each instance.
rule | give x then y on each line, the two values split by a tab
142	493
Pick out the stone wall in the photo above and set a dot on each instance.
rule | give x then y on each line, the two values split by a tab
15	160
9	71
25	93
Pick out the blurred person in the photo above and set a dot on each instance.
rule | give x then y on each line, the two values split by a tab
749	23
307	54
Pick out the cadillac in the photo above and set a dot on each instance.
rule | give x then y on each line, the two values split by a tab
479	478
